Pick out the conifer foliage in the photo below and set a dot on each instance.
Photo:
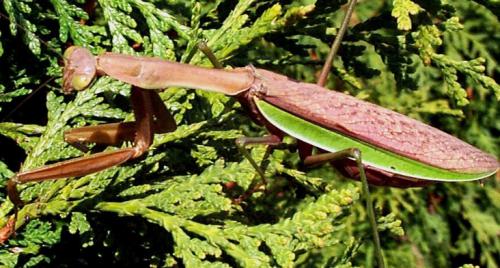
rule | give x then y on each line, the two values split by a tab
436	61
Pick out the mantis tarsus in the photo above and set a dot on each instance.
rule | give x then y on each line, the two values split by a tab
397	151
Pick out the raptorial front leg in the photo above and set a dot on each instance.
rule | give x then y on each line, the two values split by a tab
356	154
108	134
70	168
116	133
163	122
141	131
145	108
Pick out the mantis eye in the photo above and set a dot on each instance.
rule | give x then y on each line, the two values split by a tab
81	82
79	69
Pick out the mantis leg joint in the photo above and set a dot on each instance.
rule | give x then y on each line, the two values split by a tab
356	153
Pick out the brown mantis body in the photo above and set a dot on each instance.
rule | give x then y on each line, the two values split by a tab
335	111
148	74
328	108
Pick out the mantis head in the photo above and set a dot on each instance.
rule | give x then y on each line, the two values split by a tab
79	69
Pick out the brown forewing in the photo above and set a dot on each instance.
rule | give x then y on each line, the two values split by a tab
373	124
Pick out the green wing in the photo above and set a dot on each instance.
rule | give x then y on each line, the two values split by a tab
332	141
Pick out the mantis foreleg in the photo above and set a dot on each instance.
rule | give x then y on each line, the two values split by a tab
146	105
116	133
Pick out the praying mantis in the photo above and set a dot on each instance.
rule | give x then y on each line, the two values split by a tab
397	151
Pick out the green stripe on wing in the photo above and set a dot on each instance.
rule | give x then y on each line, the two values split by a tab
332	141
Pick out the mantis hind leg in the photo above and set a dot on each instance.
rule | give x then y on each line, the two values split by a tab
356	154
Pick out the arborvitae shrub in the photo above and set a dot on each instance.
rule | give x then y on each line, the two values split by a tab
432	60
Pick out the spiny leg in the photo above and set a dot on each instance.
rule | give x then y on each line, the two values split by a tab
356	154
241	143
116	133
108	134
142	103
8	229
352	152
164	121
